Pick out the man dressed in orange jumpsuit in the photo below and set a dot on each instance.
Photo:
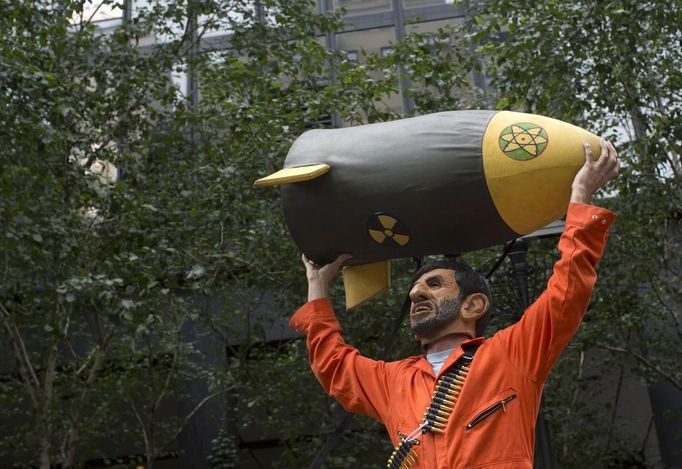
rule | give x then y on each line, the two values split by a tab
469	402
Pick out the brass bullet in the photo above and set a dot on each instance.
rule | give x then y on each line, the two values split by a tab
444	402
446	405
440	419
449	399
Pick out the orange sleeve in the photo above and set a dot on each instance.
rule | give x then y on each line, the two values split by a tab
360	384
535	342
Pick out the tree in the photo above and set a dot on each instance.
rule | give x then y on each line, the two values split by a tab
97	274
128	211
621	61
106	283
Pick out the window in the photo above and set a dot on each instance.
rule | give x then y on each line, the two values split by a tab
386	51
356	7
368	40
423	3
352	55
103	13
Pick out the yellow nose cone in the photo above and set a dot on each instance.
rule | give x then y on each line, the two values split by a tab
530	162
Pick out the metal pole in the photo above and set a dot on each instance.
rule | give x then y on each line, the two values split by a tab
405	83
127	11
477	72
330	44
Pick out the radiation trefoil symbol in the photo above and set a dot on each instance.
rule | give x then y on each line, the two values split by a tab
523	141
387	230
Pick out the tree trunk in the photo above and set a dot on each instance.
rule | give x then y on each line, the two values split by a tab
45	423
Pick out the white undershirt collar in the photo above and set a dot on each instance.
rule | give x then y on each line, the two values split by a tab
436	359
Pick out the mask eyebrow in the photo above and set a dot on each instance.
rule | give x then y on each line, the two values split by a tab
437	277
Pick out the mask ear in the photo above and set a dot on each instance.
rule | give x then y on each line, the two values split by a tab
474	306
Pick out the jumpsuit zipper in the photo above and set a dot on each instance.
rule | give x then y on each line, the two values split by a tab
489	411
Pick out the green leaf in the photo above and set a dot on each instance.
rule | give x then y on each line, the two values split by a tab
196	272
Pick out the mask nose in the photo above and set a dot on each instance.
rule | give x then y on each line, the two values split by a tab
417	293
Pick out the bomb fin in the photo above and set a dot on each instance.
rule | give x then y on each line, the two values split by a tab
292	175
363	282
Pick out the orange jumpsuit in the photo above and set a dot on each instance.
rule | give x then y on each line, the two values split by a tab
493	422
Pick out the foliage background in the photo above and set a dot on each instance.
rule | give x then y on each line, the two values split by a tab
110	290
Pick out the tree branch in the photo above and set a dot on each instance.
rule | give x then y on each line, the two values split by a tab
45	414
5	270
166	384
189	416
26	371
73	432
147	448
646	362
670	310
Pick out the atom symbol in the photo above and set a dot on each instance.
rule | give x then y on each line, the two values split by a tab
523	141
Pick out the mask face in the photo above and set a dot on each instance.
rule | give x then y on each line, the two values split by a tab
428	317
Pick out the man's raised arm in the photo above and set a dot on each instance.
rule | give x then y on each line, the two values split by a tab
358	383
535	342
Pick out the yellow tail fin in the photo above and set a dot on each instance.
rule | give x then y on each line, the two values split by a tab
363	282
291	175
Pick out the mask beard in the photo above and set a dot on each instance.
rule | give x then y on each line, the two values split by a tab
448	311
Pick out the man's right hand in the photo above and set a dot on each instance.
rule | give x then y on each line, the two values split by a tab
320	277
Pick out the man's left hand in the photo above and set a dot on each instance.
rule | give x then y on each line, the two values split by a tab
594	174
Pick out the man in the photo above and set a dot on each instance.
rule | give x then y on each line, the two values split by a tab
484	409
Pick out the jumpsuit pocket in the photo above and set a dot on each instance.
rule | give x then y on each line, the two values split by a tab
500	404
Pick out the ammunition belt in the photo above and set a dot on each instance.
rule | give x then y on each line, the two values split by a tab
443	400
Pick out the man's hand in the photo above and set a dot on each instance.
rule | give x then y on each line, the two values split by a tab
594	174
320	277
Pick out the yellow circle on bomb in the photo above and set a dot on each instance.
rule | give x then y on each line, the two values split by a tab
529	178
